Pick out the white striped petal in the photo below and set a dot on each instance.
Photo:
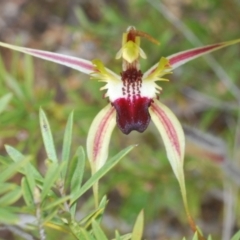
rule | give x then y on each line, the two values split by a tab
172	134
173	138
99	137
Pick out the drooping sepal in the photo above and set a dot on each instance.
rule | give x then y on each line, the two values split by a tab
99	137
173	138
172	135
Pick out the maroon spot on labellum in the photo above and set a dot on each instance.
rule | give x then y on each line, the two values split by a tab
132	114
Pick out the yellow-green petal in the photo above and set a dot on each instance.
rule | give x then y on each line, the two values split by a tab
162	68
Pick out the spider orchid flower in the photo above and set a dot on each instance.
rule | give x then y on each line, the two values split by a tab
133	96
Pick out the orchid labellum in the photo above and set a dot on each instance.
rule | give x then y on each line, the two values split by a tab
133	96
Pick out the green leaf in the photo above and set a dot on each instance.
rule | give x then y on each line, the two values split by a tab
47	137
124	237
11	197
56	203
52	175
236	236
98	232
30	178
67	140
5	187
12	169
15	63
50	216
85	235
5	161
195	237
7	216
14	153
210	237
87	220
75	174
102	206
27	194
57	226
138	227
73	165
79	232
2	68
13	84
17	156
81	16
101	172
117	236
4	100
29	76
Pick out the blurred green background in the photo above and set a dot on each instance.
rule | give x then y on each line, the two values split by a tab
196	93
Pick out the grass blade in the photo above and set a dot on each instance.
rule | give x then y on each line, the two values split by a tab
12	169
67	138
52	175
56	203
124	237
10	197
29	76
236	236
101	172
75	174
98	232
12	83
67	141
17	156
7	216
138	227
30	178
47	137
79	232
27	194
4	100
5	187
75	171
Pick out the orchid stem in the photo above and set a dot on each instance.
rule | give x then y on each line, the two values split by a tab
95	194
189	217
95	187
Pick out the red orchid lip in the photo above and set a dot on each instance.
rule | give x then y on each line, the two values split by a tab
132	114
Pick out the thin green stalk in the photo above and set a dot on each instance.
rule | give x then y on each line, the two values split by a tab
95	194
95	187
185	203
